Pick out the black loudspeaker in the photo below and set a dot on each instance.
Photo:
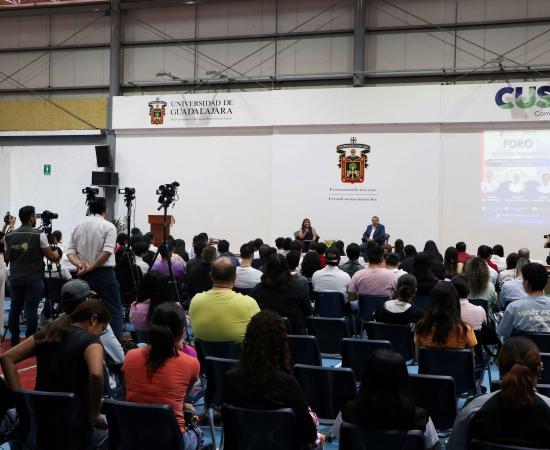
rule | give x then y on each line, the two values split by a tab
104	179
103	156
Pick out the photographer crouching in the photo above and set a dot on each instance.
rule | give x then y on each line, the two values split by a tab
25	249
91	249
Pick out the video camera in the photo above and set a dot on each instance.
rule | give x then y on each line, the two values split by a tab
47	216
166	193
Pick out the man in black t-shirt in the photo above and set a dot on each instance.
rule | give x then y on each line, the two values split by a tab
25	249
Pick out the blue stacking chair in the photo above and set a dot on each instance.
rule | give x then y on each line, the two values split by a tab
353	437
482	445
541	339
356	353
437	395
368	304
400	336
421	301
330	304
304	350
329	333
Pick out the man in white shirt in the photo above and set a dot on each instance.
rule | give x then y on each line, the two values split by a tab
331	278
91	250
392	263
247	276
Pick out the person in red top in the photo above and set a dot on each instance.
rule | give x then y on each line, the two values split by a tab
162	372
485	252
462	255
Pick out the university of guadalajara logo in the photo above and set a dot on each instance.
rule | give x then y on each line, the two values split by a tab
353	167
157	110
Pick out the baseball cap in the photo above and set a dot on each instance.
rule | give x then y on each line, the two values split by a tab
332	255
76	290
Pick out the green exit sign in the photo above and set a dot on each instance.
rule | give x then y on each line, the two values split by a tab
47	169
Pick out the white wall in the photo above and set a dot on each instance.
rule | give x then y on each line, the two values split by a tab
59	192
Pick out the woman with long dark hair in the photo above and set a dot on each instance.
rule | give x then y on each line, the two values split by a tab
69	358
400	311
450	264
422	271
179	249
442	326
436	260
283	293
399	248
263	377
310	264
515	415
162	373
476	272
385	401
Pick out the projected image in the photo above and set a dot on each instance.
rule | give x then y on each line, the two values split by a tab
515	178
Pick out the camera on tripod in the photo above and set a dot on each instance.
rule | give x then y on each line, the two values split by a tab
47	216
167	192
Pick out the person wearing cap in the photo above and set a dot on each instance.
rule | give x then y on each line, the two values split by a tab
331	278
75	292
400	311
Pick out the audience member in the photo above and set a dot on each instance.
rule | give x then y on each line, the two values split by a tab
140	251
287	242
442	326
385	401
516	415
513	290
223	250
400	311
257	244
69	358
179	249
263	377
407	264
532	313
422	270
153	290
247	276
331	278
485	252
524	253
392	264
198	279
498	258
399	248
293	259
161	373
340	246
463	256
264	251
373	280
353	252
510	272
284	294
451	265
476	272
279	245
151	249
310	264
178	269
198	247
436	260
296	245
321	248
471	314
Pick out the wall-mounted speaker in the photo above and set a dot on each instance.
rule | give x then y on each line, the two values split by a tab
104	178
103	156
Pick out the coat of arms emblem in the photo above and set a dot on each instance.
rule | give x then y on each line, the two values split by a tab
353	166
157	110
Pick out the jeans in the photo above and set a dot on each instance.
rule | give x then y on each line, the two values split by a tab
104	282
24	296
192	439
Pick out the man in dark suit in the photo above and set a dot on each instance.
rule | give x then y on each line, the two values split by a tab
375	232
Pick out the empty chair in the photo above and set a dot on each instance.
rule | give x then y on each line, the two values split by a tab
330	304
52	420
356	353
229	350
436	394
368	304
327	389
421	301
353	437
329	333
458	364
254	429
215	369
286	322
482	445
304	350
541	339
400	336
138	426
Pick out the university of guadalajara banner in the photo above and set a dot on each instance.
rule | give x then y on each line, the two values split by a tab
432	104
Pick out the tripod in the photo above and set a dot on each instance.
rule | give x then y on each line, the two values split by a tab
172	282
46	227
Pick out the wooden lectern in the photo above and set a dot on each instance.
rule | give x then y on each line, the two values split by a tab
157	225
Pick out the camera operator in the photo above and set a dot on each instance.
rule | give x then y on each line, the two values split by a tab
9	221
25	249
91	249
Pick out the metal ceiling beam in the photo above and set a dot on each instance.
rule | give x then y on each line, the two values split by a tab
149	4
54	89
48	48
55	9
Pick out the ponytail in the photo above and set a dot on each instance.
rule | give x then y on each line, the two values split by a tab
518	386
519	365
167	326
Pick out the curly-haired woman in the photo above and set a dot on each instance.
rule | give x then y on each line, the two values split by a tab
476	272
263	377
